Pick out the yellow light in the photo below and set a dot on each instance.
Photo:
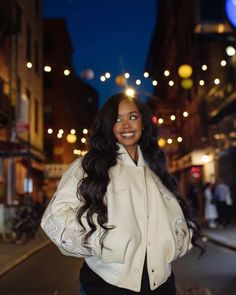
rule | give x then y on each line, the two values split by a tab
103	78
85	131
205	158
179	139
50	131
201	82
130	92
154	83
204	67
108	75
47	69
138	82
72	131
187	83
172	117
169	141
217	81
171	83
223	63
185	71
66	72
185	114
29	65
166	73
127	75
161	142
120	80
71	138
160	121
83	140
146	75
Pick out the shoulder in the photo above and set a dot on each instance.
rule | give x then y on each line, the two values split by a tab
75	169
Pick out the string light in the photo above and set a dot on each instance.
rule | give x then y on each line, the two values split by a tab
204	67
72	131
47	69
103	78
217	81
146	75
138	82
171	83
127	75
185	114
85	131
107	75
160	121
201	82
154	83
50	131
223	63
29	65
166	73
66	72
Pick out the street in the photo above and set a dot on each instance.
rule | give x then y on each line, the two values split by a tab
50	273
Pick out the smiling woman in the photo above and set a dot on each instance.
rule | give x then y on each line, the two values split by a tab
128	127
120	209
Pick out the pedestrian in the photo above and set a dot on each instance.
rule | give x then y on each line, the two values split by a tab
210	209
224	202
120	209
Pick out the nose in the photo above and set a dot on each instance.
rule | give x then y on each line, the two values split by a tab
126	124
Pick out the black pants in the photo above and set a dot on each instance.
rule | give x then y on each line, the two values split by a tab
92	284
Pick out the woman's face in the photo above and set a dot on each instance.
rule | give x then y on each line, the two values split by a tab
128	127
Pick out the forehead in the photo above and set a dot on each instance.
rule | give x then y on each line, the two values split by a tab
127	106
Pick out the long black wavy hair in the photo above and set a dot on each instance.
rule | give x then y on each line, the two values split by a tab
102	156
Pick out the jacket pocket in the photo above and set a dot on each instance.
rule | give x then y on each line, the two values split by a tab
115	248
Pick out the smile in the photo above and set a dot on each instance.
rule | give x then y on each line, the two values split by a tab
127	134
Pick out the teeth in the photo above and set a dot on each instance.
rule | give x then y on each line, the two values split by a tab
127	134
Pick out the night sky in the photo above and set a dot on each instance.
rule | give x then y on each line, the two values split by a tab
108	36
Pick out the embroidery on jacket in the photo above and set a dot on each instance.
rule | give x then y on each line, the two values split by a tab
52	228
181	232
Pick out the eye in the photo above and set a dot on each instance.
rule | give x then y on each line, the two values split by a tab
118	119
133	117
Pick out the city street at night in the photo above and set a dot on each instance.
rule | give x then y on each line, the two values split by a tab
48	272
118	143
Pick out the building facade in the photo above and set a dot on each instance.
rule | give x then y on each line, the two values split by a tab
196	33
21	100
70	104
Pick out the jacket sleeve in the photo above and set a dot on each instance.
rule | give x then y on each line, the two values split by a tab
59	221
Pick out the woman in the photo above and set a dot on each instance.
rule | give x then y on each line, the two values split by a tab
120	209
210	209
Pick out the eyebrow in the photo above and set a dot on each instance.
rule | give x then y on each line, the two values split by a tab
129	113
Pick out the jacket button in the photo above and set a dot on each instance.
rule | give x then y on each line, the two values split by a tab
152	270
154	284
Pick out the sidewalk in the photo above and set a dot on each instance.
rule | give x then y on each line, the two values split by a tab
222	236
11	254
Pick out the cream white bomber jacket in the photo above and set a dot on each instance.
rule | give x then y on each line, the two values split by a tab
146	218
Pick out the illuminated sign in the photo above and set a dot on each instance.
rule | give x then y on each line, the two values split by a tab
230	10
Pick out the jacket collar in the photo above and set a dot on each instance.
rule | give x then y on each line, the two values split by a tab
124	157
